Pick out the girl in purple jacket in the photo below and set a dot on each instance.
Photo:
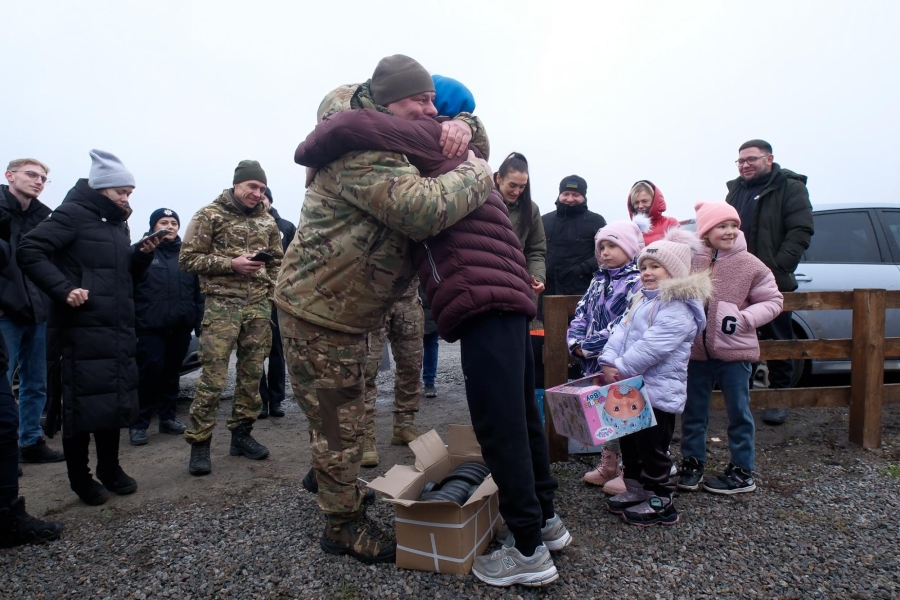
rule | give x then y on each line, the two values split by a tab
744	298
611	292
654	340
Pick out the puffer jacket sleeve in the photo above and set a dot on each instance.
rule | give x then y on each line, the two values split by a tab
798	225
579	325
536	246
197	254
36	250
670	327
765	301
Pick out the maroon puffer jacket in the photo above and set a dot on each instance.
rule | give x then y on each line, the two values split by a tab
474	266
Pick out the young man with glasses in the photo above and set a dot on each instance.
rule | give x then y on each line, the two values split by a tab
24	308
777	221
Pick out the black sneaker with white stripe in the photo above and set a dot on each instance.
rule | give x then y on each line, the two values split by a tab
734	480
690	475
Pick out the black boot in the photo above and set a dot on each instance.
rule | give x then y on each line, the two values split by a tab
311	485
91	491
275	408
242	443
264	413
116	480
17	527
201	463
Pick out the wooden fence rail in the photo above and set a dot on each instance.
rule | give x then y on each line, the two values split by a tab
866	350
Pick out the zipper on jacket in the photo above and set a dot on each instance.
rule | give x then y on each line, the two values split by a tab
434	273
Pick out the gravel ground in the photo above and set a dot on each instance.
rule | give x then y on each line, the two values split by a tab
822	525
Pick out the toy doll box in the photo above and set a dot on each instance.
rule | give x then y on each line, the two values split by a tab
592	413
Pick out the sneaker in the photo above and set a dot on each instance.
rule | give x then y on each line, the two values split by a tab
118	481
734	480
200	463
691	475
774	416
369	452
137	436
362	539
607	470
554	535
657	510
17	527
172	426
404	434
616	486
311	485
244	444
430	392
91	491
507	566
40	452
633	495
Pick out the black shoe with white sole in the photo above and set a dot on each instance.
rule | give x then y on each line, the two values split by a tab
690	475
734	480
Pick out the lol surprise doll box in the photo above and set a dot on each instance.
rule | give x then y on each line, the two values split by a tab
592	413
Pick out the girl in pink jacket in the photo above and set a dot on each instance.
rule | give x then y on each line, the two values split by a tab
744	297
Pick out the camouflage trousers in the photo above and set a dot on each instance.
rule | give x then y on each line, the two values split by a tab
228	322
326	371
404	326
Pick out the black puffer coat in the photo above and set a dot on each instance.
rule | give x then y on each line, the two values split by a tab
20	299
165	297
86	244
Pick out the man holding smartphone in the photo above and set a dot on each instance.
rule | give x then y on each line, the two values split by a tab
235	248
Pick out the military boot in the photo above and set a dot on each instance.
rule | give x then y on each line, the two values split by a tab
17	527
201	463
404	429
243	443
360	538
369	450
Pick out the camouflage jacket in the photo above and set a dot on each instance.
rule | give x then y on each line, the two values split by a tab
351	257
219	232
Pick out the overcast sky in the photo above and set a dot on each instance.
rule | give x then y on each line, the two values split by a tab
617	91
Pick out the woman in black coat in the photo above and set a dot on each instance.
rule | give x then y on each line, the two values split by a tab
168	305
81	257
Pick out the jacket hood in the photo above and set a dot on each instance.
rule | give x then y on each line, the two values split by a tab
777	172
225	199
657	205
93	200
345	97
694	290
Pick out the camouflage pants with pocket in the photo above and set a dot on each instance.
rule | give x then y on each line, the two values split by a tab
404	326
326	371
230	322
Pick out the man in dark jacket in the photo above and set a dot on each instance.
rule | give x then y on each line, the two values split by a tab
168	305
271	385
25	308
776	218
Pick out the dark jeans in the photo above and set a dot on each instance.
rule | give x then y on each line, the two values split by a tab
734	381
159	359
645	458
430	344
271	385
780	371
9	444
76	449
499	372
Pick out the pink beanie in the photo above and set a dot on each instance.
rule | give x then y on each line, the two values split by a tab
624	234
711	213
674	252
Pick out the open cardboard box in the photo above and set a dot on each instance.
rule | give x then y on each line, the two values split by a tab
442	537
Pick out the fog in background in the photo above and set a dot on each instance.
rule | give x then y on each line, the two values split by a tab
612	91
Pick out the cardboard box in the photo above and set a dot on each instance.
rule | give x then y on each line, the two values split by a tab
592	413
442	537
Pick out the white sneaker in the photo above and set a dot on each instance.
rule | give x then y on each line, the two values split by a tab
507	566
554	535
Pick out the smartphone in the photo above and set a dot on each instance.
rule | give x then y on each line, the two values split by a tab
262	256
155	234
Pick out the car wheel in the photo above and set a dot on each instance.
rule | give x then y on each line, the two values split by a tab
802	369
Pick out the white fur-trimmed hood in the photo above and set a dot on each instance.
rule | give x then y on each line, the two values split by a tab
696	286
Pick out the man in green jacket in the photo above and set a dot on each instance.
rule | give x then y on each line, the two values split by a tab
777	221
220	245
349	262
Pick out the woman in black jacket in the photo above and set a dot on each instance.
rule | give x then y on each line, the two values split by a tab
81	257
168	305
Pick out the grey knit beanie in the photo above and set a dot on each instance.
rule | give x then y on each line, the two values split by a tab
397	77
107	171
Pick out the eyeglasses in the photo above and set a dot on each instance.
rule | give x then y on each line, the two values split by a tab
34	176
750	160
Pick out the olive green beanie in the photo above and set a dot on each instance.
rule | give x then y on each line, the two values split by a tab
247	170
397	77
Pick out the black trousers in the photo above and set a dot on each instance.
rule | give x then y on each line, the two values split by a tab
76	449
9	444
271	385
780	371
645	458
498	368
159	358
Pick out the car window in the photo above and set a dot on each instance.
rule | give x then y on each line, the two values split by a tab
890	219
843	237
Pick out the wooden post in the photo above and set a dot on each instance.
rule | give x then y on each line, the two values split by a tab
867	367
556	367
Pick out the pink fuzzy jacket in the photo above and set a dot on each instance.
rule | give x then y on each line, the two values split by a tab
744	297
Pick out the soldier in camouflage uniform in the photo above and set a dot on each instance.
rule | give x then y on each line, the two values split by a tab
218	245
404	326
348	264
